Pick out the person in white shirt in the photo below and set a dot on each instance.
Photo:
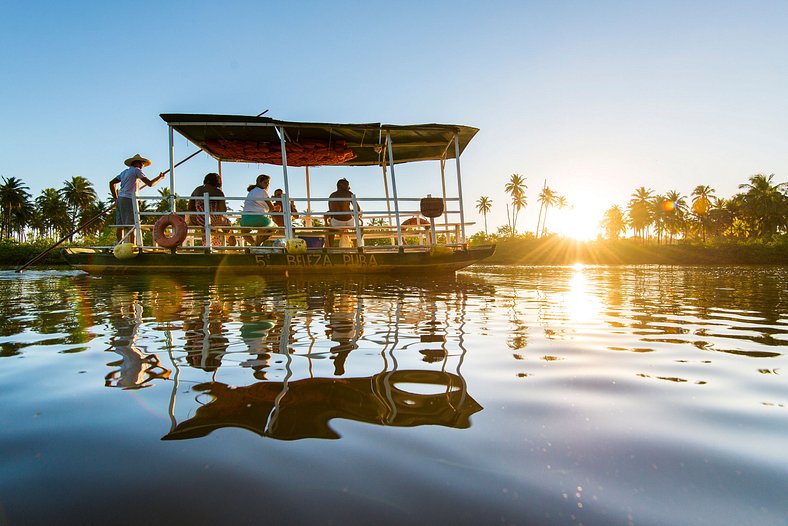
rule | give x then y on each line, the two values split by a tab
124	211
256	206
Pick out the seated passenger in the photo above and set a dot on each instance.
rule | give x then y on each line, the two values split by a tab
341	220
279	218
256	206
212	185
416	221
411	226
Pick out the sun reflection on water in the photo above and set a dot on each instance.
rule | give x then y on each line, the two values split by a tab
581	305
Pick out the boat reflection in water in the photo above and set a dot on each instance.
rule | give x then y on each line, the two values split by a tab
303	408
284	359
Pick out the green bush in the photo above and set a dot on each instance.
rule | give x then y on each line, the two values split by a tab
16	254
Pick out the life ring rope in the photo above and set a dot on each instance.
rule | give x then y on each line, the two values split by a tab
180	230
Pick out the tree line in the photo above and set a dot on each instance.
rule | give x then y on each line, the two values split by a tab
759	211
57	211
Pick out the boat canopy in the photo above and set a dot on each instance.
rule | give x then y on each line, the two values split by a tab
239	138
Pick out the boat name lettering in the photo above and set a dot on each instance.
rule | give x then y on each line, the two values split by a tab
309	260
360	260
324	260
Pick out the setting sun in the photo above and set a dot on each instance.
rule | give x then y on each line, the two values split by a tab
580	221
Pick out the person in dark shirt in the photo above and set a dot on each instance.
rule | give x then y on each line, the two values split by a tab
276	214
341	220
212	185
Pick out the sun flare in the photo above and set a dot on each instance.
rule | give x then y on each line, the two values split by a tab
580	222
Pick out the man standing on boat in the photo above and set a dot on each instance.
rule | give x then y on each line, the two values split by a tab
343	204
124	211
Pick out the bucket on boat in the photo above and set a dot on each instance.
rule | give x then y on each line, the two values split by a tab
313	241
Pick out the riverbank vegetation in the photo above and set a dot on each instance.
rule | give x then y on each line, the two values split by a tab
751	227
554	250
16	254
758	212
671	228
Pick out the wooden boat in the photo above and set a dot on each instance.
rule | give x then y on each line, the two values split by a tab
393	237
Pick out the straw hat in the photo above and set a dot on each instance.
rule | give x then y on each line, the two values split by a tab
138	157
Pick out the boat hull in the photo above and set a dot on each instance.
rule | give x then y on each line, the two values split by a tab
100	261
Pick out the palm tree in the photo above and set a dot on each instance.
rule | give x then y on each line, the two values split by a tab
98	225
14	205
181	205
640	214
143	207
548	198
675	209
483	206
541	208
53	212
613	222
22	217
701	204
516	188
38	224
560	203
518	203
658	207
78	193
735	211
766	204
720	217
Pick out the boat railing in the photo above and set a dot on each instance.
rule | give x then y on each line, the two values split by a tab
369	222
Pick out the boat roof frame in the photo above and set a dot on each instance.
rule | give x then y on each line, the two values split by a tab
411	143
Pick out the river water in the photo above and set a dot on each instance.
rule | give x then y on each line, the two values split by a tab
503	395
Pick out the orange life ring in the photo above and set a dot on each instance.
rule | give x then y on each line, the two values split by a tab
179	231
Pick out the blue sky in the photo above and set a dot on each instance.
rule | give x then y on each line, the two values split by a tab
598	98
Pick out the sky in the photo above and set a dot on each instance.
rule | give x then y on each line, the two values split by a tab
595	98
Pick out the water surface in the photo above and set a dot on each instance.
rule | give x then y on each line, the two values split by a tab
525	395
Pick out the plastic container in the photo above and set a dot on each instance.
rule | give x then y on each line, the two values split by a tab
314	242
295	246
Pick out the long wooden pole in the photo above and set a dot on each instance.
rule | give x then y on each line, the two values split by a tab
88	223
97	216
